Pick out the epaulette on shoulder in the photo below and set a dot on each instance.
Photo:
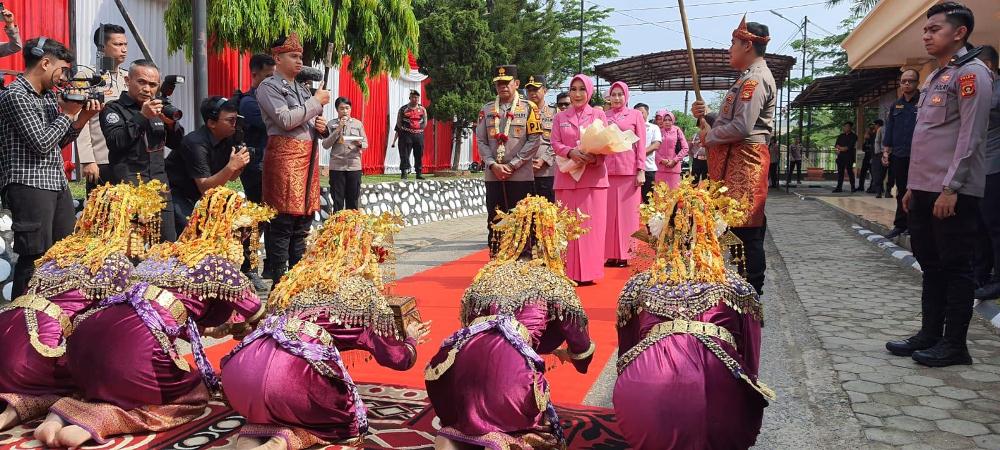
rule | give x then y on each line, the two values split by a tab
960	61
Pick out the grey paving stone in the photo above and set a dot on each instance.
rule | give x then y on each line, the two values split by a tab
935	401
984	404
947	441
962	427
891	437
907	423
877	409
853	367
974	415
865	387
879	377
857	397
925	412
910	389
921	380
890	399
991	441
870	421
977	375
956	393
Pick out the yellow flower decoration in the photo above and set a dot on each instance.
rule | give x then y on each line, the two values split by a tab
116	218
686	224
550	225
350	244
221	220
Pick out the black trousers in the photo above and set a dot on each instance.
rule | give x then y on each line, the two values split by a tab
252	184
753	252
845	166
944	248
901	170
796	166
988	247
543	187
890	177
285	242
183	208
40	218
503	195
411	142
105	173
647	185
878	174
345	188
699	169
866	170
772	174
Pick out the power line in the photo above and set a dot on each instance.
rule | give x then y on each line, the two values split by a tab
660	8
656	24
710	17
829	33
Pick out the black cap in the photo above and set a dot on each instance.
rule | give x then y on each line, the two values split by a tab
535	81
414	92
505	73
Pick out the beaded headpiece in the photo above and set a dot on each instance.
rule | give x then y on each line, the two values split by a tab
116	218
744	34
291	44
221	219
535	220
686	224
350	244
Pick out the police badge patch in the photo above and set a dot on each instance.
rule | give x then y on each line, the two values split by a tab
967	85
748	89
112	118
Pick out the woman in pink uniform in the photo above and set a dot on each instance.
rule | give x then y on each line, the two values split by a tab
288	377
672	151
85	267
626	172
123	354
585	256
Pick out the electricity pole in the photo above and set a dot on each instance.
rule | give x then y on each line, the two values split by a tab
581	38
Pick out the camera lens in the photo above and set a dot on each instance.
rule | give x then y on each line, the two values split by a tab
172	112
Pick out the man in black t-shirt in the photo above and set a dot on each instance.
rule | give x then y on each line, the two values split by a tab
846	148
207	158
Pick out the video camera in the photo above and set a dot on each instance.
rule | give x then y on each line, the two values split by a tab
170	82
91	89
308	76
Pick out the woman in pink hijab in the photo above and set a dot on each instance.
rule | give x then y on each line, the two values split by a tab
585	256
626	172
672	151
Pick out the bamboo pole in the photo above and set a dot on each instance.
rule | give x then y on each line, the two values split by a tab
695	83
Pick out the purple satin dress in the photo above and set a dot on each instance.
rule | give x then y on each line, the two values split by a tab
144	385
37	375
295	386
488	396
709	402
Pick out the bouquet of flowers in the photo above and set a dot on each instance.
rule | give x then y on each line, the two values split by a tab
598	139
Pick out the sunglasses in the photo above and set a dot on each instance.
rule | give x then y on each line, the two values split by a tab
907	81
563	104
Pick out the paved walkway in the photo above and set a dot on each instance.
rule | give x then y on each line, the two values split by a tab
855	299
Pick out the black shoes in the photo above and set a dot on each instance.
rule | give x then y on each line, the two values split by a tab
419	176
943	354
258	282
402	174
838	190
895	233
616	263
906	347
988	292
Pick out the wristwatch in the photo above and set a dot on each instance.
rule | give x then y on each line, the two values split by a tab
947	190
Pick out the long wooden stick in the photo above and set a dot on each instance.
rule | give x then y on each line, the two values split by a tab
687	39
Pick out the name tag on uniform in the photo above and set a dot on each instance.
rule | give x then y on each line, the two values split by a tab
565	125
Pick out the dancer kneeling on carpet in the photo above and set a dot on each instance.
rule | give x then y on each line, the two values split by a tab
85	267
288	377
122	352
516	309
689	331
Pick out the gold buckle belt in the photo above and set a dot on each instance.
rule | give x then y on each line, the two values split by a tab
293	325
168	302
681	326
42	305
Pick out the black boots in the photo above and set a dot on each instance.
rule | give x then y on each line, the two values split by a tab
906	347
943	354
989	291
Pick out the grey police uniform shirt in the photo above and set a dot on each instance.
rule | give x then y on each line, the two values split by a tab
949	139
993	134
747	113
545	152
288	108
522	143
346	155
91	147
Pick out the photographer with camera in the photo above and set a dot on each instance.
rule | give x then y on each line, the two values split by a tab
294	118
137	127
35	124
91	148
14	44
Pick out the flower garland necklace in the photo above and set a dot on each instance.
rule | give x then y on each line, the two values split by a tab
502	137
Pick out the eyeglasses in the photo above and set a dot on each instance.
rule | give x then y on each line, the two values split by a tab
563	104
907	81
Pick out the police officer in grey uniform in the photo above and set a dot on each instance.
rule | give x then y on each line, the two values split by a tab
508	132
946	180
545	160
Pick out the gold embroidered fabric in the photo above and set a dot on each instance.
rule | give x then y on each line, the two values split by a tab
686	300
515	283
50	279
33	304
357	302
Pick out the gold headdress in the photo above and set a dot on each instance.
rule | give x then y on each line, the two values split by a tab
552	227
216	228
116	218
686	224
350	245
744	34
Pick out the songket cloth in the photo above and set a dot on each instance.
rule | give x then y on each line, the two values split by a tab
289	379
288	185
487	382
742	168
624	197
33	329
689	352
144	385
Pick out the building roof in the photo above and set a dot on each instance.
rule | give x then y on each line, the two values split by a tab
669	71
858	87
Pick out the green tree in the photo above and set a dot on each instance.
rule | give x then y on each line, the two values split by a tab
858	7
599	41
377	35
527	29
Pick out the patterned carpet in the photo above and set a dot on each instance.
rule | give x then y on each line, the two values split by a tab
400	418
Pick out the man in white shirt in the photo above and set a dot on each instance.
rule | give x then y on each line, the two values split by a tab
653	139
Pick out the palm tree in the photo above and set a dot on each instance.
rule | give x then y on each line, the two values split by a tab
859	7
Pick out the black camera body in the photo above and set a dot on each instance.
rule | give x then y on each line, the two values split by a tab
308	76
170	82
88	89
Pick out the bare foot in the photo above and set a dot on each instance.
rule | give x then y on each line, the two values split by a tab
9	418
73	436
248	443
275	443
46	432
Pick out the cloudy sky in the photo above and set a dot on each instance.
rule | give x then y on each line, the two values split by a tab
648	26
